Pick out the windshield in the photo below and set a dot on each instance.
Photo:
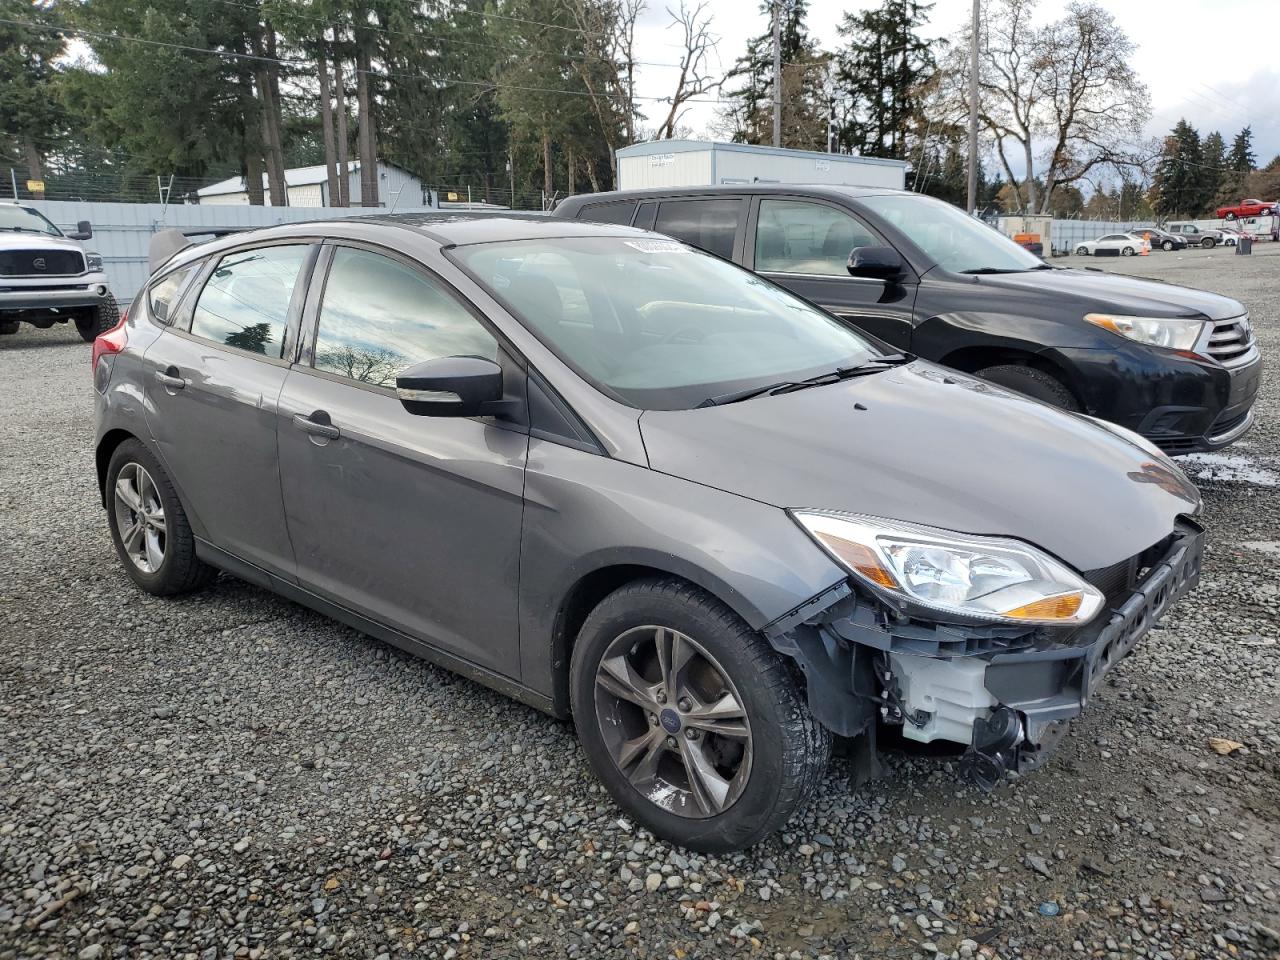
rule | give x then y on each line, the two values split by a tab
25	220
958	242
657	324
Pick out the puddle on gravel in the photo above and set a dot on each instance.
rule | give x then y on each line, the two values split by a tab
1232	467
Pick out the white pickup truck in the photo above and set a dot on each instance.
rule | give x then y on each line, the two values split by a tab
47	277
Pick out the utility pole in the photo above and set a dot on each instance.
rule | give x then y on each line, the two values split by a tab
973	109
777	73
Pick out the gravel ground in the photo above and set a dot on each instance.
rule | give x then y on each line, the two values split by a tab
232	775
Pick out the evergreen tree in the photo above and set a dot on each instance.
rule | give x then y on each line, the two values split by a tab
28	112
804	67
878	75
1179	186
1214	173
1241	157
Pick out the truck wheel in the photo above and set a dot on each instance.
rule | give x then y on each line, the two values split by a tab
148	525
7	327
99	320
1034	383
1208	243
697	727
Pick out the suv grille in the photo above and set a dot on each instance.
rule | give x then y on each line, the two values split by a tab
41	263
1230	339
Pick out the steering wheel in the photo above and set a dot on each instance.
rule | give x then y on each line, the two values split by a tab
694	335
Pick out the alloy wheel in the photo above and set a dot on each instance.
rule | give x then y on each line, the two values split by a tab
140	517
673	721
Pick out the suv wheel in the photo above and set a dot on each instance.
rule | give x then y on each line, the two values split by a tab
1208	243
149	526
694	724
7	327
1034	383
99	320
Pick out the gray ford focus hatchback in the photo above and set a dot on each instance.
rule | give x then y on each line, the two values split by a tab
633	484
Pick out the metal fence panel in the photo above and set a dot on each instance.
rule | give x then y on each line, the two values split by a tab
122	231
1066	234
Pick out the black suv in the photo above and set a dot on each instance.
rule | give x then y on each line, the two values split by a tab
1178	366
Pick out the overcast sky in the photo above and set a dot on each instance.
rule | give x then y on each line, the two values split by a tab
1182	56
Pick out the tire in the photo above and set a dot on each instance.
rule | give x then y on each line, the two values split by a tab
1208	243
98	321
1229	216
8	327
1036	384
1167	246
1126	252
786	750
179	570
1082	251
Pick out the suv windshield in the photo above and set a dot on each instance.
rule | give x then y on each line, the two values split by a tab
25	220
657	324
957	242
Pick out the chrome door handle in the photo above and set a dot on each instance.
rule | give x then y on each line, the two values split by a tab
315	428
170	381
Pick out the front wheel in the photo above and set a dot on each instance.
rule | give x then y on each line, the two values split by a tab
1082	251
1036	384
695	725
99	320
7	327
1167	246
1127	252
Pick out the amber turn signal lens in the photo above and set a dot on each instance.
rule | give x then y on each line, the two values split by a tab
1062	607
859	558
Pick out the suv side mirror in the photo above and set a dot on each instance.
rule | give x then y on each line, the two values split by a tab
881	263
452	387
84	231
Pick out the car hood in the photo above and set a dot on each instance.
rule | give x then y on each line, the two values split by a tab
11	240
925	444
1113	293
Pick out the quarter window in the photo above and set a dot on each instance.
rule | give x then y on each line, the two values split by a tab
163	295
618	212
708	224
794	236
245	303
380	316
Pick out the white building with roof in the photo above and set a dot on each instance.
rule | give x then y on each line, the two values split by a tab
706	163
309	187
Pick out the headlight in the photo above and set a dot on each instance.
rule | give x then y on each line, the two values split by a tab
1153	331
989	578
93	262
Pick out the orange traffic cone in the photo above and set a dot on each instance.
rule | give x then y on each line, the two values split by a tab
1146	248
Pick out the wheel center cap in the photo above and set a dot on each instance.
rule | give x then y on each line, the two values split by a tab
670	720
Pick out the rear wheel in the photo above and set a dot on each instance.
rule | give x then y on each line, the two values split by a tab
1229	216
1208	243
1036	384
149	526
1127	252
694	724
98	320
7	327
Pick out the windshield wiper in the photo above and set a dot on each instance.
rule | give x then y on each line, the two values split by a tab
987	270
872	365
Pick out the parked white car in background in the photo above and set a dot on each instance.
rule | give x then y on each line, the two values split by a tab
1124	244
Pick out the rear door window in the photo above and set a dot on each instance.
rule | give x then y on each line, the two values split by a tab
618	211
796	236
711	225
379	316
245	302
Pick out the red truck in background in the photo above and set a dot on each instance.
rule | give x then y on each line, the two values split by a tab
1247	208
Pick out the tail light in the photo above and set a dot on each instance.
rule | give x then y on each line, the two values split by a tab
105	345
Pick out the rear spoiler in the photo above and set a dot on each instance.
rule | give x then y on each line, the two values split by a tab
166	243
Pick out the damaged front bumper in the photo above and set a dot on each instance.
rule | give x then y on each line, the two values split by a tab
1004	692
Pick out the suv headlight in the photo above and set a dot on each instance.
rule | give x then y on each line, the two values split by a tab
1153	331
93	262
989	578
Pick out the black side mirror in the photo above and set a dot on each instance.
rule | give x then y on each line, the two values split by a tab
881	263
453	387
84	231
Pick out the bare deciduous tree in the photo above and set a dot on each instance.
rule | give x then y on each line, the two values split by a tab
608	65
695	78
